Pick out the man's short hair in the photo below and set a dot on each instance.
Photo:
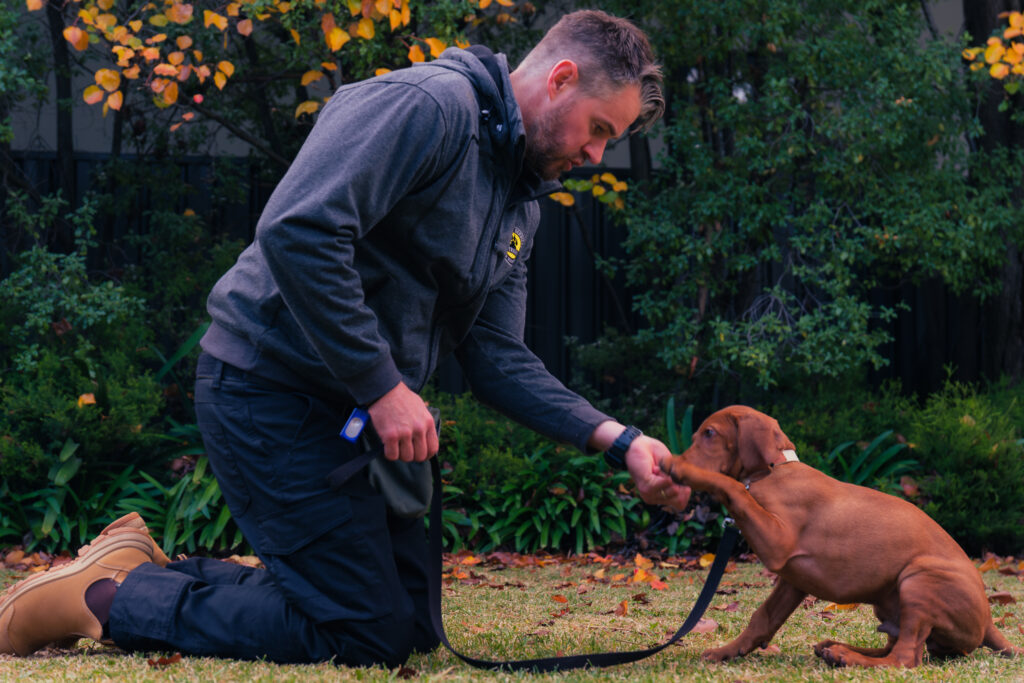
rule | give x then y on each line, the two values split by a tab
610	52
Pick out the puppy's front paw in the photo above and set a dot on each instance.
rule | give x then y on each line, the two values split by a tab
676	468
720	654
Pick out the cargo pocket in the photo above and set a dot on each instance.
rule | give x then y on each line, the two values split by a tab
286	531
332	560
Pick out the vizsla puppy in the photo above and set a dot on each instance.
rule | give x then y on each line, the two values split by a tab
838	542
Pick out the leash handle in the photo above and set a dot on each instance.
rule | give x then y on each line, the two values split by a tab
545	664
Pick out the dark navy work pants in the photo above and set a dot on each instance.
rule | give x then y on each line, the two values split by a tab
344	579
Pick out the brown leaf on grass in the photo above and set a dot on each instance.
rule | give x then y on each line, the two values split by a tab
621	609
561	613
989	564
14	557
641	598
1002	598
705	626
1001	621
407	672
731	607
245	561
559	598
166	661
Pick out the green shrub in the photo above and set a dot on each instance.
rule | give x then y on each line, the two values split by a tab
970	444
71	351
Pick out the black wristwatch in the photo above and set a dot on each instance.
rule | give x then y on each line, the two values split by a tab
616	455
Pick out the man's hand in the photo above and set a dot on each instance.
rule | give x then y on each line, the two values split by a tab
643	460
404	425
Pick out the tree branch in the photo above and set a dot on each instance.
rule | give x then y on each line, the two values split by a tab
241	133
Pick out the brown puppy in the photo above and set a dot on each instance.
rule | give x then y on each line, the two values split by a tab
838	542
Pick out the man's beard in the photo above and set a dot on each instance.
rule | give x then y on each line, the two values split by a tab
543	146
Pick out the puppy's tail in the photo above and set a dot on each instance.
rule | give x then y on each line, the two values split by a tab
998	642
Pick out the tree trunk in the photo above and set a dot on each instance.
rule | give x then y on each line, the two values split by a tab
62	75
1002	336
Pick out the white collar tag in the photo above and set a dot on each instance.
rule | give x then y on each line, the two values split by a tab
790	456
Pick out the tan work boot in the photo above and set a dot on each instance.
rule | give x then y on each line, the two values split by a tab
133	520
50	607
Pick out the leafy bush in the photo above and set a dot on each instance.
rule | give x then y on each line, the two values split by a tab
70	356
971	446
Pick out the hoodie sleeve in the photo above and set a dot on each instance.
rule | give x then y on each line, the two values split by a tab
373	143
504	373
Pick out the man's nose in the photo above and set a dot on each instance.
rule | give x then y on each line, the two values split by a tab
594	150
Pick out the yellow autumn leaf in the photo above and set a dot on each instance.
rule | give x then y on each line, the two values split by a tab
330	66
131	73
1017	20
244	27
295	36
179	13
436	46
461	43
976	66
283	7
1017	69
506	3
598	190
336	39
365	29
307	107
183	42
355	7
484	4
197	56
78	38
170	93
135	25
1011	32
406	13
158	38
999	71
563	198
846	607
159	20
311	76
108	79
220	80
381	71
394	19
620	186
233	9
970	54
608	178
212	18
706	560
1012	57
382	7
115	100
165	70
176	57
993	53
92	94
34	5
86	400
105	21
226	67
416	54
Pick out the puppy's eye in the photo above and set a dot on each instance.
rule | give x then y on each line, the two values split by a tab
709	432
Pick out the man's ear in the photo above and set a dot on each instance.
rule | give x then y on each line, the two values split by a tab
562	77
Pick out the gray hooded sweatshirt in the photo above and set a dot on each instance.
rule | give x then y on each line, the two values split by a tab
399	234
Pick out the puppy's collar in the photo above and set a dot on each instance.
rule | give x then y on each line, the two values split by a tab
786	456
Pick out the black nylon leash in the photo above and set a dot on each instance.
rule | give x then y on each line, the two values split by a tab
545	664
342	473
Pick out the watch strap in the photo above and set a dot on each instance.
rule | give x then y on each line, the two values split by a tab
615	456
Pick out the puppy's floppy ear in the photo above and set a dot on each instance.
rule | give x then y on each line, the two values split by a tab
760	442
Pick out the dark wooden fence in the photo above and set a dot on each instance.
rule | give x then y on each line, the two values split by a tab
567	295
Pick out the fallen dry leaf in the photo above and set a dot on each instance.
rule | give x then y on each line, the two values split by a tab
1002	598
621	609
705	626
559	598
166	661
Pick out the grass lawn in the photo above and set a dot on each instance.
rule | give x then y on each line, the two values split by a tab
496	611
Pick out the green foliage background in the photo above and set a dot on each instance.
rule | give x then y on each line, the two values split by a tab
815	153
